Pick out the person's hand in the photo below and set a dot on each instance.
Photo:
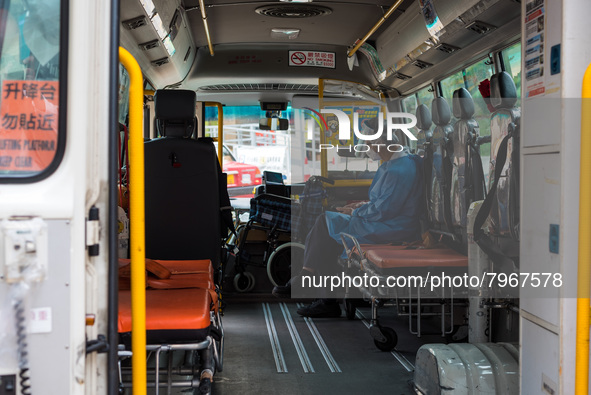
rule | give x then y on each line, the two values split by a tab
345	210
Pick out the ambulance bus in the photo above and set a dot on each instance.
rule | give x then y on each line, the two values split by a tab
126	268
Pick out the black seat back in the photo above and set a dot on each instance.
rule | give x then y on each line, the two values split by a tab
182	184
424	122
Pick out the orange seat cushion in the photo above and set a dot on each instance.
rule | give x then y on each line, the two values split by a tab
174	309
397	257
200	280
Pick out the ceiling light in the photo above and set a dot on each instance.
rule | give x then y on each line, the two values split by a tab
283	33
296	1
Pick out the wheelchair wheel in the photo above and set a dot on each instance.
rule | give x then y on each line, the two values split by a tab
244	282
279	264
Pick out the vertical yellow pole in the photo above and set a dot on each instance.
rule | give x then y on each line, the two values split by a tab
220	129
323	157
584	271
137	222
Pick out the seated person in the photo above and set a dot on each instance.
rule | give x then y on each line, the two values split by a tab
391	215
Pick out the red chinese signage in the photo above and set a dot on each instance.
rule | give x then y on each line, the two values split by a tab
28	124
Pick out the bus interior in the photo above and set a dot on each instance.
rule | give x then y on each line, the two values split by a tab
197	141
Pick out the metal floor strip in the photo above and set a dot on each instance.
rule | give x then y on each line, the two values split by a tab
274	339
406	364
330	361
297	341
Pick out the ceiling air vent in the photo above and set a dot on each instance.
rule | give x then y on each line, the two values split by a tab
293	10
134	23
402	77
150	45
446	48
481	27
160	62
422	65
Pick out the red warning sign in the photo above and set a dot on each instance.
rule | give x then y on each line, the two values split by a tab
312	59
28	124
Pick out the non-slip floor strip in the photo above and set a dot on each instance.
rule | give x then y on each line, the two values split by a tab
297	341
274	339
330	361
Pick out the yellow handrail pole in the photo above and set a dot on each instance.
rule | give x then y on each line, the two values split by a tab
220	129
137	222
584	270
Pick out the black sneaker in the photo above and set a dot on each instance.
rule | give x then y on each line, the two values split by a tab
284	291
321	308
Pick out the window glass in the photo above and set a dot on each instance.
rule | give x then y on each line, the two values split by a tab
248	151
512	60
29	83
410	105
450	84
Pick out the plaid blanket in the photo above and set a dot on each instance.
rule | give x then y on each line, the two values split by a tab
271	213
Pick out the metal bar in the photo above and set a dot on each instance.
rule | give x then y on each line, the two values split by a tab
137	221
220	138
584	269
330	361
297	341
374	28
275	345
205	26
406	364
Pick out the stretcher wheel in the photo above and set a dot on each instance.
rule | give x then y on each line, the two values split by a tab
244	282
279	264
391	339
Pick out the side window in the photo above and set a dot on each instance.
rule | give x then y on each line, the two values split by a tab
512	60
450	84
32	101
410	104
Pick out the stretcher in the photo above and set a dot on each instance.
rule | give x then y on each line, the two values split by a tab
414	299
182	314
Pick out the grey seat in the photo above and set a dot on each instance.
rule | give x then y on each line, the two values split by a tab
505	209
182	184
465	130
438	188
424	122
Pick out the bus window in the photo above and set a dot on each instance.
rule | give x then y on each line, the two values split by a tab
512	61
450	84
31	137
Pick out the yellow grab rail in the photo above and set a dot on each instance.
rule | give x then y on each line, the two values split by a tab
220	138
584	271
137	222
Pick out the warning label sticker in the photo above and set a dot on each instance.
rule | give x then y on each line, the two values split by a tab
312	59
28	125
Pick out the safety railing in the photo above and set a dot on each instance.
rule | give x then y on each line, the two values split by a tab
137	222
584	271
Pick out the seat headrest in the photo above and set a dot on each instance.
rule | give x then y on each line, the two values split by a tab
440	111
463	105
175	112
503	93
423	117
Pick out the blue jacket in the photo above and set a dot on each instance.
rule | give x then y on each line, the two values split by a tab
394	208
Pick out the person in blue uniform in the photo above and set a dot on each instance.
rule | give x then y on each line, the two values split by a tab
391	215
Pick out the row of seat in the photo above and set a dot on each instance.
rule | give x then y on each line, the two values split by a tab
453	180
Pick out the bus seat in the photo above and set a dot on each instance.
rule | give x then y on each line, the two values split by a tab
504	214
464	129
438	203
182	185
424	122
